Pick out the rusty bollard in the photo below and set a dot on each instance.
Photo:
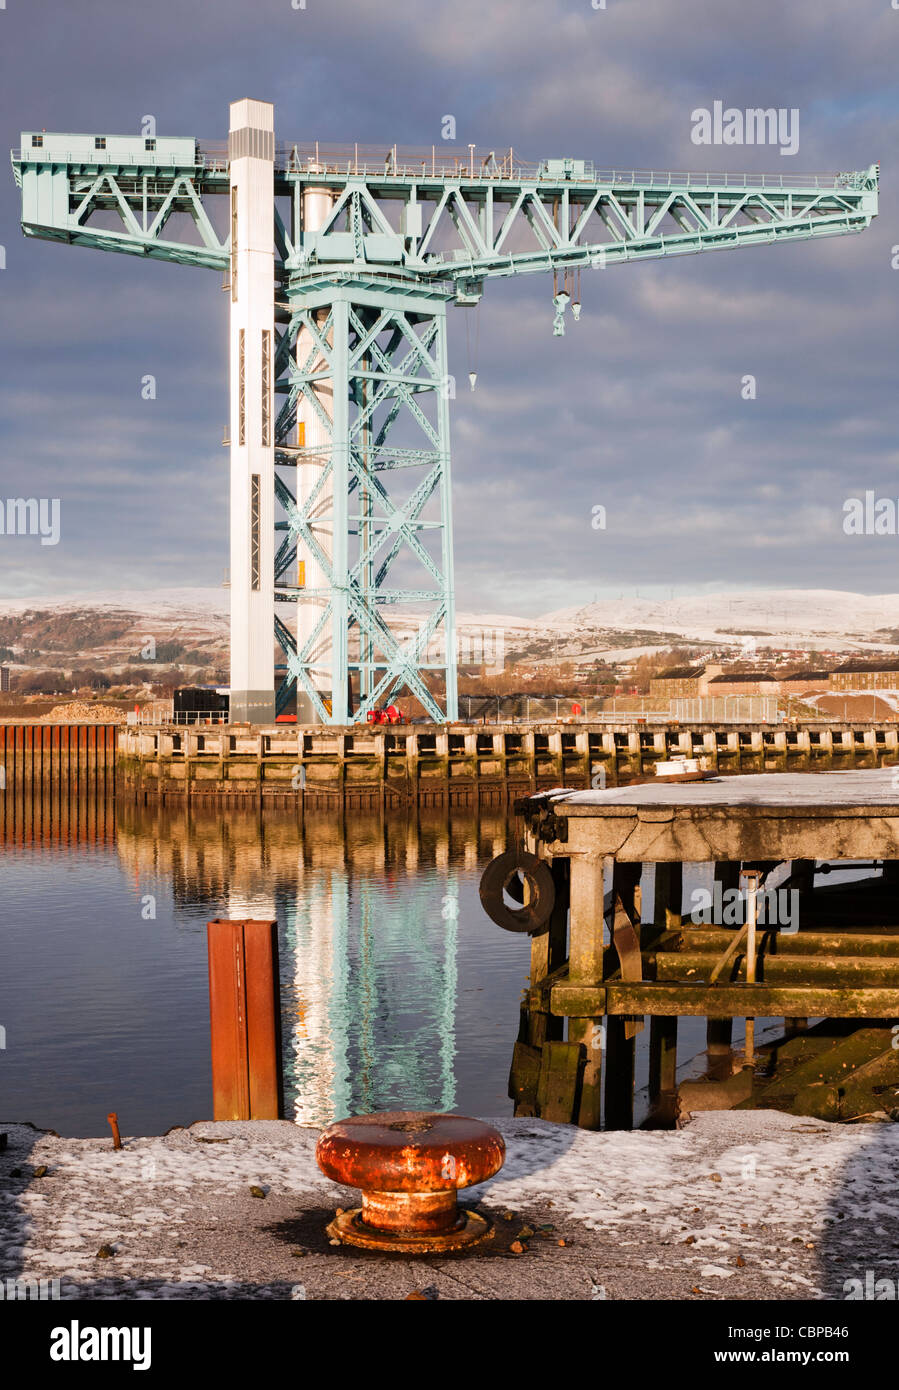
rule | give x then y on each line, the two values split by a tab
112	1120
409	1165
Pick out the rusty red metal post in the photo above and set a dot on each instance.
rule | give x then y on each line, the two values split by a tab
245	1020
112	1120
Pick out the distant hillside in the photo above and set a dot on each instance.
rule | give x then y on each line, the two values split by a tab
116	630
190	626
781	617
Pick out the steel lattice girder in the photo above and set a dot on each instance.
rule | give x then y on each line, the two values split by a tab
385	355
466	229
452	227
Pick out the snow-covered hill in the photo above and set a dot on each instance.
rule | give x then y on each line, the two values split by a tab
811	619
814	618
168	603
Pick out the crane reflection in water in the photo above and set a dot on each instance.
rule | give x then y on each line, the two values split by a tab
396	990
369	921
369	977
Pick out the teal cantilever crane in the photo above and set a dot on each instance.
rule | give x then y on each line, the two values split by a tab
340	265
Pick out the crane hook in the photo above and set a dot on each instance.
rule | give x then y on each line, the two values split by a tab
561	302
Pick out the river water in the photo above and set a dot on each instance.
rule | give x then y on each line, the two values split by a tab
397	992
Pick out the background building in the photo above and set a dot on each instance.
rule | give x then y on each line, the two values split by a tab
683	682
744	683
805	682
865	676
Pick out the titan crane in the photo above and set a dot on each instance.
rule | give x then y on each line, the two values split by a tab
340	265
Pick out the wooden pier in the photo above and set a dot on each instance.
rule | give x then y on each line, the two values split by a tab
609	956
458	763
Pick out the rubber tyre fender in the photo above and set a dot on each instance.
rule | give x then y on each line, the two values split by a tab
533	917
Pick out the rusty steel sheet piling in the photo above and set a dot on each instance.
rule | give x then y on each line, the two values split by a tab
245	1020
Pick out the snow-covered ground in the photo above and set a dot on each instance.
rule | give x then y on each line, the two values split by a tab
836	701
735	1205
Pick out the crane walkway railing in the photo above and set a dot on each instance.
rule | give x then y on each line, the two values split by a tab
480	165
476	166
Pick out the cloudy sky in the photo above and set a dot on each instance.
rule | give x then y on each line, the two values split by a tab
637	408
